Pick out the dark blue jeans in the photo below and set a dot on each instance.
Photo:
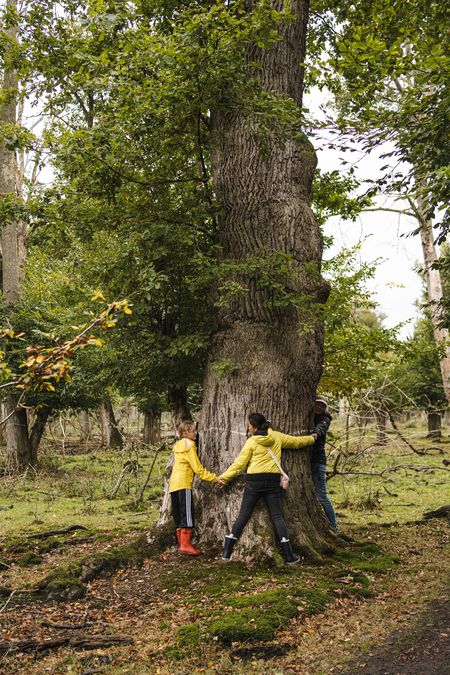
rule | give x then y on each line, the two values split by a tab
266	487
319	476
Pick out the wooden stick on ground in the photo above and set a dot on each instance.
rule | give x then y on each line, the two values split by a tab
64	626
51	533
73	641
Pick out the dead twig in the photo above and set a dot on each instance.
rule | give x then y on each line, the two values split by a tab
140	496
400	435
7	602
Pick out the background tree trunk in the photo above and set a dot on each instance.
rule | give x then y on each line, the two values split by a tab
264	200
178	404
37	431
13	245
434	292
18	448
434	425
152	427
85	426
113	437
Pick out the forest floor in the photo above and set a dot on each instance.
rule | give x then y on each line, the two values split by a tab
379	604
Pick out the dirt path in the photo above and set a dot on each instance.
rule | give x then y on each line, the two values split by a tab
423	649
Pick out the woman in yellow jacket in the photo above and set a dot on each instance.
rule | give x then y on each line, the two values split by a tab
186	463
263	480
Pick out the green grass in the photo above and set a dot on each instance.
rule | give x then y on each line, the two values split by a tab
76	489
399	495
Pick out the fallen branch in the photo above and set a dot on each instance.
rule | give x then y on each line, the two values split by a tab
64	626
73	641
51	533
130	466
442	512
7	602
400	435
390	469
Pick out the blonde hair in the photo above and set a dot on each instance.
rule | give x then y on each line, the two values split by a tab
184	428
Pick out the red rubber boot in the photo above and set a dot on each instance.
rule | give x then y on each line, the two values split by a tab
185	542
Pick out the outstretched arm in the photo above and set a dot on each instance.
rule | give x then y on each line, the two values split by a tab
239	463
198	468
297	442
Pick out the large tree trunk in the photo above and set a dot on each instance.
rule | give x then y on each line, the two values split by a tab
13	245
273	364
113	437
434	292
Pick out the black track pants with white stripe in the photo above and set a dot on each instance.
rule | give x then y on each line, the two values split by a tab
182	508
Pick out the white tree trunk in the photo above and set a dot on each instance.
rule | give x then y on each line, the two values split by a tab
434	293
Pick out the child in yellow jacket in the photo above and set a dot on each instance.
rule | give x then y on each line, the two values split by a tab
186	464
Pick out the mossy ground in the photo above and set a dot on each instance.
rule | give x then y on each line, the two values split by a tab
200	615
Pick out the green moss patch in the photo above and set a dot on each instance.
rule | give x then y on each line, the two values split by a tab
69	581
367	557
254	617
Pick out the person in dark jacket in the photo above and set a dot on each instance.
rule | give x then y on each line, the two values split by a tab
322	420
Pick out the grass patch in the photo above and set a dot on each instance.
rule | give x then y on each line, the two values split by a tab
367	557
78	488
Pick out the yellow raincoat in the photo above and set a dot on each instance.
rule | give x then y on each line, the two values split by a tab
186	463
254	455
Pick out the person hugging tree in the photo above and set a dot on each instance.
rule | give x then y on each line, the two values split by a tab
186	464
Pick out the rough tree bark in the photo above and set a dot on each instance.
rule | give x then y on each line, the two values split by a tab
113	437
13	245
264	200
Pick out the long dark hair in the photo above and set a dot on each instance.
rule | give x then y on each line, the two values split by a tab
258	421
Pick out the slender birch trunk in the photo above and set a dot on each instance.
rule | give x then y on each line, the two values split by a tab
434	292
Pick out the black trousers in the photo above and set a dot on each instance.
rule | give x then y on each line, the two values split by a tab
264	486
182	508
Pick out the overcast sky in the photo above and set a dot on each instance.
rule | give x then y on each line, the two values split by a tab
396	286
